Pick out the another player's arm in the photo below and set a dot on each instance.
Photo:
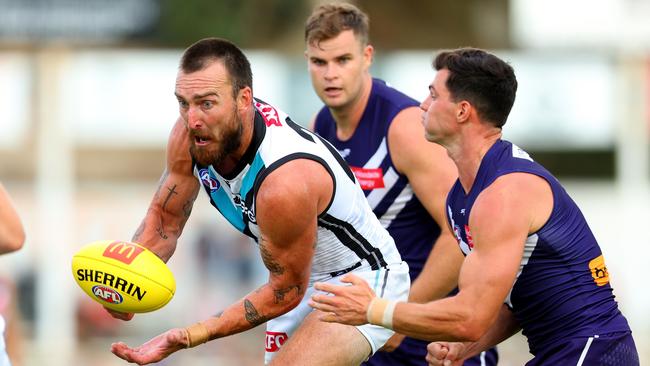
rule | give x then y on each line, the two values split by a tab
522	203
431	173
172	203
12	234
288	204
503	328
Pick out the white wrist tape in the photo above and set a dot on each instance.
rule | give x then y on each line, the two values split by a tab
197	334
380	312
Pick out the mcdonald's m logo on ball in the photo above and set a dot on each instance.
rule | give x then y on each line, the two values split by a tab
123	252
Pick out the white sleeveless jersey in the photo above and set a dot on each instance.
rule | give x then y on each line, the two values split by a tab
349	234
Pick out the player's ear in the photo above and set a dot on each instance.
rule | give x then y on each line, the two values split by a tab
463	111
368	53
244	97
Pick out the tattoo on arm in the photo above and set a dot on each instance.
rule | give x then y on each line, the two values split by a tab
156	196
160	232
172	191
270	263
161	183
187	207
279	294
252	316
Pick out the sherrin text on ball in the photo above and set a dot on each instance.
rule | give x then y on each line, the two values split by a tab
123	276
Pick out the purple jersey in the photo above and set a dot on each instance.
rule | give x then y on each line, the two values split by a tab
562	290
388	191
390	195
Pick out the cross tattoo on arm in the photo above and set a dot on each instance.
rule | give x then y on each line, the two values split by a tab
172	191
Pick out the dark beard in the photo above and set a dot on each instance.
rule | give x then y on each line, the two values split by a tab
231	142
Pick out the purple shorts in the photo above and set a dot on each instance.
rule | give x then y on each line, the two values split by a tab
412	352
614	349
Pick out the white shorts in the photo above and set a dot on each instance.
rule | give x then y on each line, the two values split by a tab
391	283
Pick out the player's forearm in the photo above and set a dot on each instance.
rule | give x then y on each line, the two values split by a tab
256	308
503	328
442	320
166	218
158	233
167	214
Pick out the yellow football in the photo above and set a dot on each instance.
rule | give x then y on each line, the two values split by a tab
123	276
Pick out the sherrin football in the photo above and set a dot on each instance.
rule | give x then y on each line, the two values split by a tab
123	276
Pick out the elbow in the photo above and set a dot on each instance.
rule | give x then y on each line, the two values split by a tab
14	241
288	299
292	304
467	333
470	330
293	301
282	308
20	242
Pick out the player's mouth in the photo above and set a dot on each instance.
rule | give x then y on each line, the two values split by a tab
201	141
333	91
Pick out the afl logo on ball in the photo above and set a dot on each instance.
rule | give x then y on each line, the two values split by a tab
107	294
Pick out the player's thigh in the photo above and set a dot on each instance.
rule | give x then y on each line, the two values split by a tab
317	343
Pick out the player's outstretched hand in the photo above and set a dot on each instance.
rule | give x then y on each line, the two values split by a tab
119	315
349	303
445	353
154	350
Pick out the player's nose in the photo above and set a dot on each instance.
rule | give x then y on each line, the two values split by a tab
194	118
424	105
330	72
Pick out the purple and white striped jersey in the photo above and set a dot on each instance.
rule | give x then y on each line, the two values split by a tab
389	193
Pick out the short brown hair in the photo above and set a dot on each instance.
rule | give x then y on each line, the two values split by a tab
482	79
329	20
202	53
